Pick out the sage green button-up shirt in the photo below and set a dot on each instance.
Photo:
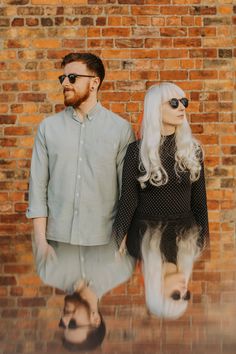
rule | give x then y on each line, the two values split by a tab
76	173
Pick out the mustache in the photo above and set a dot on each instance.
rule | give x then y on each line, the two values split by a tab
67	89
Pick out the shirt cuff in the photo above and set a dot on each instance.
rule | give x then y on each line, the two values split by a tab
37	212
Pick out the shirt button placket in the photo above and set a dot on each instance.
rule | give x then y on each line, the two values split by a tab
81	254
76	226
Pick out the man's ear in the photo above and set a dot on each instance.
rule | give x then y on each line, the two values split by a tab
94	83
95	319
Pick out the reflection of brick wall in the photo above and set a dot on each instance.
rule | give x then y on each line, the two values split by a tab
141	42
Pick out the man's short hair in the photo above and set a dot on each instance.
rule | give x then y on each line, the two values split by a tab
94	339
92	61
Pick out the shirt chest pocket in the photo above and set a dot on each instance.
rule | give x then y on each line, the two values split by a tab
101	154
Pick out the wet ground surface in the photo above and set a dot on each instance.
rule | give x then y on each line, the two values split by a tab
203	329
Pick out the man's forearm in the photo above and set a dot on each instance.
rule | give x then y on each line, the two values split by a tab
40	225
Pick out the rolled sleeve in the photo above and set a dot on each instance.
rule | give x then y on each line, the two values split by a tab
38	178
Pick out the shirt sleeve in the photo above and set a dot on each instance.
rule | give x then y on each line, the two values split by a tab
199	207
127	137
129	194
39	176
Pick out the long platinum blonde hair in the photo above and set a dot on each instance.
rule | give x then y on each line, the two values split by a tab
153	271
188	151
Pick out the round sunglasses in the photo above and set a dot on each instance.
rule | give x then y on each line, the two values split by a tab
73	325
72	77
174	102
176	296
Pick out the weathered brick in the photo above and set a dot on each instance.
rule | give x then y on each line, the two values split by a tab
225	53
18	131
173	32
8	119
7	280
73	43
203	10
31	302
32	97
18	22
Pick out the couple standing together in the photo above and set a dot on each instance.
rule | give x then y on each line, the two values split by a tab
99	200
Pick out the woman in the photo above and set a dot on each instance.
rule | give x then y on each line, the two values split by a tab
163	207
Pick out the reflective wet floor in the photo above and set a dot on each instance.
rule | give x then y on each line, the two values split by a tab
201	330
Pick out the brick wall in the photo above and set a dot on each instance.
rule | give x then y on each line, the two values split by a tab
142	42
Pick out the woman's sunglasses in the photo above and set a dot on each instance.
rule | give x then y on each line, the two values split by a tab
174	102
176	296
72	77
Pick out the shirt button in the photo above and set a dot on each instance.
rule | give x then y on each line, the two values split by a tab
81	142
76	211
80	158
77	194
78	176
83	275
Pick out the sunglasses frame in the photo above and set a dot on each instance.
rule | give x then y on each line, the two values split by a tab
183	100
72	77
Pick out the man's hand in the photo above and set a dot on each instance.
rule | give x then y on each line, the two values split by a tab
43	250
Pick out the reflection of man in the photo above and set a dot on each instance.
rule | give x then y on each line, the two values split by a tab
82	322
75	183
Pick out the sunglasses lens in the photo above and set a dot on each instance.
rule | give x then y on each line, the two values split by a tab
72	78
174	103
184	102
61	78
175	295
72	324
187	296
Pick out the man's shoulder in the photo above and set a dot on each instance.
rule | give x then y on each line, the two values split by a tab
50	119
114	118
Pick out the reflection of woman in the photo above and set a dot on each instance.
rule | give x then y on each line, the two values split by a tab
163	207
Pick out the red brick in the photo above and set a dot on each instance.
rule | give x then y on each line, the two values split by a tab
31	302
7	280
31	97
18	131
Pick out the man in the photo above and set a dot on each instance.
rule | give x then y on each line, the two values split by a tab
75	182
84	329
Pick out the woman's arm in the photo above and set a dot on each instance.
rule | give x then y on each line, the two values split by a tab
199	207
129	194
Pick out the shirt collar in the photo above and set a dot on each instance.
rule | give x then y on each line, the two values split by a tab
91	114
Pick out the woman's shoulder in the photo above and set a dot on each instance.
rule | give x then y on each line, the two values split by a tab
133	148
135	145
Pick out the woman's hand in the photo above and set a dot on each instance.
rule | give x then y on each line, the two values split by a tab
123	248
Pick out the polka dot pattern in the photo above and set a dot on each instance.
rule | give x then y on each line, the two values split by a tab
180	204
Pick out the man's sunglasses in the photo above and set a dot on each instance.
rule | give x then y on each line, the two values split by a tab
176	296
72	325
72	77
174	102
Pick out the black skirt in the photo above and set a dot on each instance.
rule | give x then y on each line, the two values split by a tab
170	227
